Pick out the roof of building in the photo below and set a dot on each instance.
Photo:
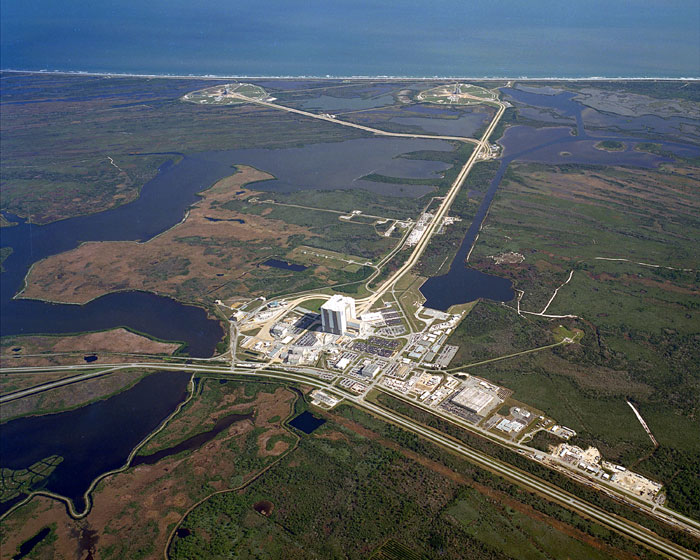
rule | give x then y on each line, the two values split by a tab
474	399
338	303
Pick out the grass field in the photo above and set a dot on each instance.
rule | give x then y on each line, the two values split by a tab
314	256
639	322
379	500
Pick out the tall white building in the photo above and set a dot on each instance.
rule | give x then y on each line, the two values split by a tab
336	313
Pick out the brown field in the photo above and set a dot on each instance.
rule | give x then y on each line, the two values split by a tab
62	350
189	261
133	512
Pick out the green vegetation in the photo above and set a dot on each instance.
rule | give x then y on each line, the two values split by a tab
312	256
394	550
378	178
24	481
611	146
491	330
326	230
64	170
441	250
655	149
314	305
659	89
373	498
4	253
515	533
639	322
212	400
480	443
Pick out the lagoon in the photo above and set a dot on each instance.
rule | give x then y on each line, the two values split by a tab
92	439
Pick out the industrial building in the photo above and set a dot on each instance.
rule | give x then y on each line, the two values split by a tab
336	313
474	400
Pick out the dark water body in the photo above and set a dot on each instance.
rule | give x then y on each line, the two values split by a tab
348	38
329	103
340	165
161	317
465	125
307	422
431	110
237	220
27	546
162	203
545	116
462	284
682	128
192	443
284	265
562	103
92	439
182	533
565	108
555	145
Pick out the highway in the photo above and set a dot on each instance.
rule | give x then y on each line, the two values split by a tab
526	480
8	397
530	482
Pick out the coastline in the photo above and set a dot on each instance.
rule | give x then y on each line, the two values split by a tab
359	78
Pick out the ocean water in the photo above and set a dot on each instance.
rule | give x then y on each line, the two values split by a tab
630	38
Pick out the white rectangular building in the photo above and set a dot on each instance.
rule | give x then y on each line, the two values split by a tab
336	313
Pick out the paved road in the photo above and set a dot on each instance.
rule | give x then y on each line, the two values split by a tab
632	530
55	384
367	303
276	371
528	481
353	125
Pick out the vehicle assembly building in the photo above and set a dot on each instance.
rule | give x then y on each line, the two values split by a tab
336	313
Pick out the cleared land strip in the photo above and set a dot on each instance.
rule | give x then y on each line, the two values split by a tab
644	424
644	264
289	205
353	125
498	358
